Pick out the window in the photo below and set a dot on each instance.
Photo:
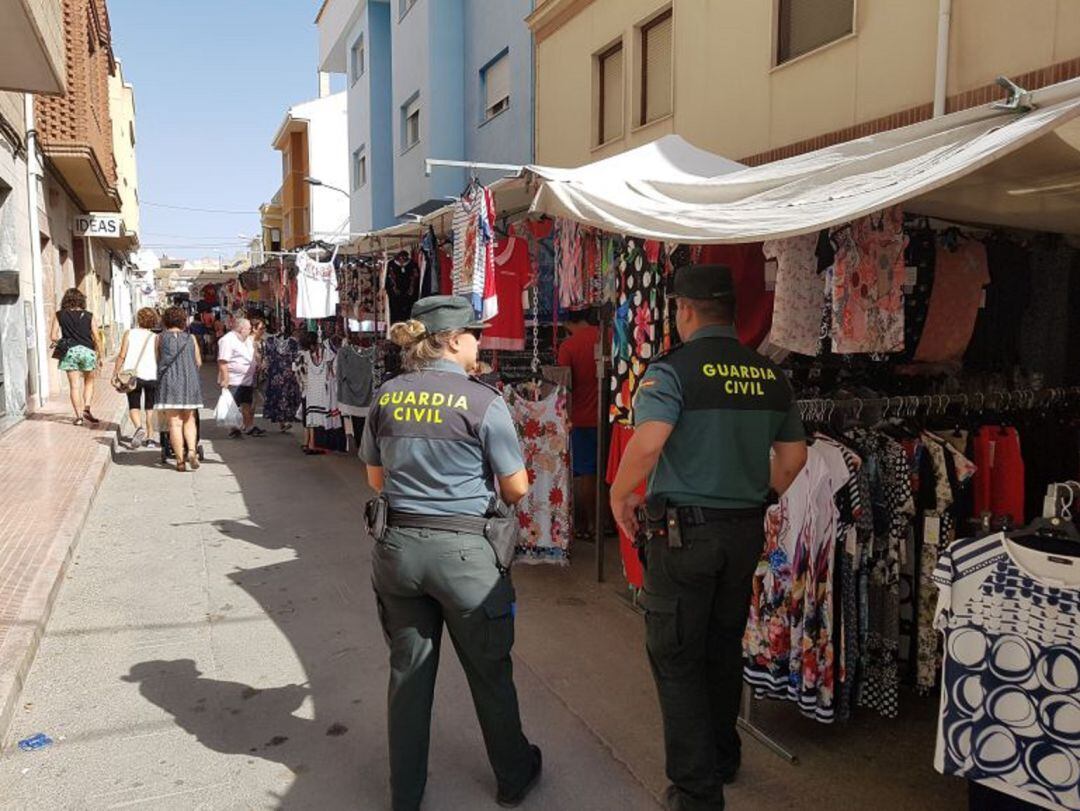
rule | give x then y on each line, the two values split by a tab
359	168
410	124
808	24
356	59
656	99
495	81
609	118
404	6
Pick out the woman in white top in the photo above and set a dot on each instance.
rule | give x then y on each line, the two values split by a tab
137	353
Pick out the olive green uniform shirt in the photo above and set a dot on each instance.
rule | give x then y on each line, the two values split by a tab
728	405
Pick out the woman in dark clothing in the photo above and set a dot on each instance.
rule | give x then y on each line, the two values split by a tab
76	329
179	393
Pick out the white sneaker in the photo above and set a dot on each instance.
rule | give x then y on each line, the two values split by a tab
138	439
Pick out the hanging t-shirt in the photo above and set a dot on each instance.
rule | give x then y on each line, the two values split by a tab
474	250
800	297
868	285
570	265
754	304
316	287
959	277
402	287
1010	718
512	275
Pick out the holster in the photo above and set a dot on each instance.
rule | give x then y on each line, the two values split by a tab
501	531
656	519
376	512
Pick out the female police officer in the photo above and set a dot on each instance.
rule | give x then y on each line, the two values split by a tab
434	442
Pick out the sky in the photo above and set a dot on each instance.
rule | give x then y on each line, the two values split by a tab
213	80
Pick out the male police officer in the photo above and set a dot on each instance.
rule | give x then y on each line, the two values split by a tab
707	415
434	444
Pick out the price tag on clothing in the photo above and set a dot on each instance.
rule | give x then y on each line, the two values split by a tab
932	530
771	267
911	278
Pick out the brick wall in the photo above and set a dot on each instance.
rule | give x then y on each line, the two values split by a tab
1042	77
81	115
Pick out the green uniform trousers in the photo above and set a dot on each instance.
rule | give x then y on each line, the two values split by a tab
424	578
696	602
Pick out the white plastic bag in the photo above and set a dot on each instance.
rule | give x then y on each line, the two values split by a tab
227	413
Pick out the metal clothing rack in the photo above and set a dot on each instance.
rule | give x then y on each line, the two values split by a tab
930	404
910	406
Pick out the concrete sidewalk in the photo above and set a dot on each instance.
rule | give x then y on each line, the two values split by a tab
216	645
49	473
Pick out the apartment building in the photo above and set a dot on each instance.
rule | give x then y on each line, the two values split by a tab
31	61
758	81
80	178
426	79
313	142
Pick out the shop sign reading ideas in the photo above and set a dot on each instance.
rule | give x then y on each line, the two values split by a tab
108	226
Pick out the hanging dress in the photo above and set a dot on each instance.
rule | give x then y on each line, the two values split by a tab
316	377
282	387
544	514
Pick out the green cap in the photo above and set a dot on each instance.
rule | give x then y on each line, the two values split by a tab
702	282
443	313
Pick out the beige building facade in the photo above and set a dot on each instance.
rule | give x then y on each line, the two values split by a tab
122	113
759	80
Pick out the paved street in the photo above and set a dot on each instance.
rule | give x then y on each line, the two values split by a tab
216	646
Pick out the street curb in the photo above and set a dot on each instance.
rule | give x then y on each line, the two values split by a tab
24	637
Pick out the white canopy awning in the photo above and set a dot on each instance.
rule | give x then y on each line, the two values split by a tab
985	165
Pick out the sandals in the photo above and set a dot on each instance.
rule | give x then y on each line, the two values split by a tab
78	421
193	460
314	451
181	466
90	418
236	433
255	431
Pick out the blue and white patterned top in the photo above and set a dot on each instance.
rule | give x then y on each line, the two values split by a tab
1010	695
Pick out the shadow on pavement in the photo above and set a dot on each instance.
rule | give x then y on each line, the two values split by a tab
320	600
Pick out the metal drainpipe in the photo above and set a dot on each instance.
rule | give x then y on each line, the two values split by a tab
941	68
33	172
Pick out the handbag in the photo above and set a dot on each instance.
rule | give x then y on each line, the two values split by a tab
61	348
126	380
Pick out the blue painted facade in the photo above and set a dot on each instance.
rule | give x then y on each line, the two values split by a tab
431	59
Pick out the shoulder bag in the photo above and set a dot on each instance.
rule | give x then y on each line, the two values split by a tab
127	380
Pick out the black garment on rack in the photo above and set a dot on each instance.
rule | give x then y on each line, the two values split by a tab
995	344
1045	338
402	287
920	254
429	245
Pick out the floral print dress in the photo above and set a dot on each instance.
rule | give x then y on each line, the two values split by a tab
282	388
544	514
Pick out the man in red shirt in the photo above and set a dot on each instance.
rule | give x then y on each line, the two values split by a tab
579	353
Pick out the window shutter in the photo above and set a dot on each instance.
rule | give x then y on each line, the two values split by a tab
496	82
657	69
611	77
809	24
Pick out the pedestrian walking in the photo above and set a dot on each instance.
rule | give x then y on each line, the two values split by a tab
179	393
707	416
578	352
434	443
237	365
135	374
78	348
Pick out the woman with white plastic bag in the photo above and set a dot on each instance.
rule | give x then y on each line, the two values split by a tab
227	413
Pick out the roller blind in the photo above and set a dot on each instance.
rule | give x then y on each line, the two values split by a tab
656	68
611	94
496	85
809	24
